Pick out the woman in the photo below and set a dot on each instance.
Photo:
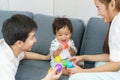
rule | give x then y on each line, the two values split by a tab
110	11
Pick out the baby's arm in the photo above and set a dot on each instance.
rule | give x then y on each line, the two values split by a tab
72	51
57	52
72	48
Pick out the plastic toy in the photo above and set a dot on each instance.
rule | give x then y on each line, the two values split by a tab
59	67
65	45
58	59
70	65
50	70
65	63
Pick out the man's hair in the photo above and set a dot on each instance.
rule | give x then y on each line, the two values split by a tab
17	27
60	23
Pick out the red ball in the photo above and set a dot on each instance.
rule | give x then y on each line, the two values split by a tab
65	44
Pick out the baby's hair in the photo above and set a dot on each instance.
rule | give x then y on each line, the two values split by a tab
61	22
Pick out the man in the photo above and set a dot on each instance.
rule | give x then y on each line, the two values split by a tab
18	38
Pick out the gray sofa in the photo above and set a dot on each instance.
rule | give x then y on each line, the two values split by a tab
88	40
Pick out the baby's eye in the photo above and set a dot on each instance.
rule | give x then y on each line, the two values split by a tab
60	35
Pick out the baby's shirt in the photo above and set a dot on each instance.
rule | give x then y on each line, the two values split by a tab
65	54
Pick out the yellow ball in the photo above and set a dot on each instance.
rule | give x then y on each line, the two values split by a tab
58	59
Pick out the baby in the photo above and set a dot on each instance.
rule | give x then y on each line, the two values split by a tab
62	47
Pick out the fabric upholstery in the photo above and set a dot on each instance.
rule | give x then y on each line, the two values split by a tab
93	40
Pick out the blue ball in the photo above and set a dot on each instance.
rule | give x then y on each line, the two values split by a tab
70	65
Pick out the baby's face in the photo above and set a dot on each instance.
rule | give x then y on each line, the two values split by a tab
63	34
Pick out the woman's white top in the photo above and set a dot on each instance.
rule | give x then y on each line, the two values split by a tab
114	39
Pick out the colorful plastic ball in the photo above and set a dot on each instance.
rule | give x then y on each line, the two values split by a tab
59	67
58	59
50	70
70	65
65	44
65	63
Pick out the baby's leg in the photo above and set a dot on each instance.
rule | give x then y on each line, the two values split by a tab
65	72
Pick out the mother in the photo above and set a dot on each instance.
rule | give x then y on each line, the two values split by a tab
110	11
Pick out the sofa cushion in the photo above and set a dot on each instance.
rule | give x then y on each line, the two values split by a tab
93	38
45	34
34	70
6	14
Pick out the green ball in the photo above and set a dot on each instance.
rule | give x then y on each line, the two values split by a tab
65	63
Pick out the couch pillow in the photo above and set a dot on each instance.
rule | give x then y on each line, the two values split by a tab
7	14
94	38
45	34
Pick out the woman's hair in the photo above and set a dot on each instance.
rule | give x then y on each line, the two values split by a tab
60	23
106	3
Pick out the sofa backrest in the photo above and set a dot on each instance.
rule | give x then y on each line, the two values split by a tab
7	14
93	39
45	34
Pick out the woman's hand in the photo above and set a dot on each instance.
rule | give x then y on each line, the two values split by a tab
76	59
74	70
53	75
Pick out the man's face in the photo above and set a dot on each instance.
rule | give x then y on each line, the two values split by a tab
27	45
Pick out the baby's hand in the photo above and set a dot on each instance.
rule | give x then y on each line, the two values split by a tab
60	47
65	45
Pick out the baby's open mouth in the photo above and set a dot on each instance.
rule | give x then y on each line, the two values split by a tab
63	40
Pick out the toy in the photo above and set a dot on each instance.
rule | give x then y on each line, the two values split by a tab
65	63
65	45
58	59
59	67
50	70
70	65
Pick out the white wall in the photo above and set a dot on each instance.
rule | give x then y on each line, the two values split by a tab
36	6
4	4
83	9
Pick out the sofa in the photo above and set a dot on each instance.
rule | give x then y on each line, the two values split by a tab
88	39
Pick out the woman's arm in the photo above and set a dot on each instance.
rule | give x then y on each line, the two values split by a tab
109	67
98	57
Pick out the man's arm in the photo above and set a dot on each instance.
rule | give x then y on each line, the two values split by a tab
36	56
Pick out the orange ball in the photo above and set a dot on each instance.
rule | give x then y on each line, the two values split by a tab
50	70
